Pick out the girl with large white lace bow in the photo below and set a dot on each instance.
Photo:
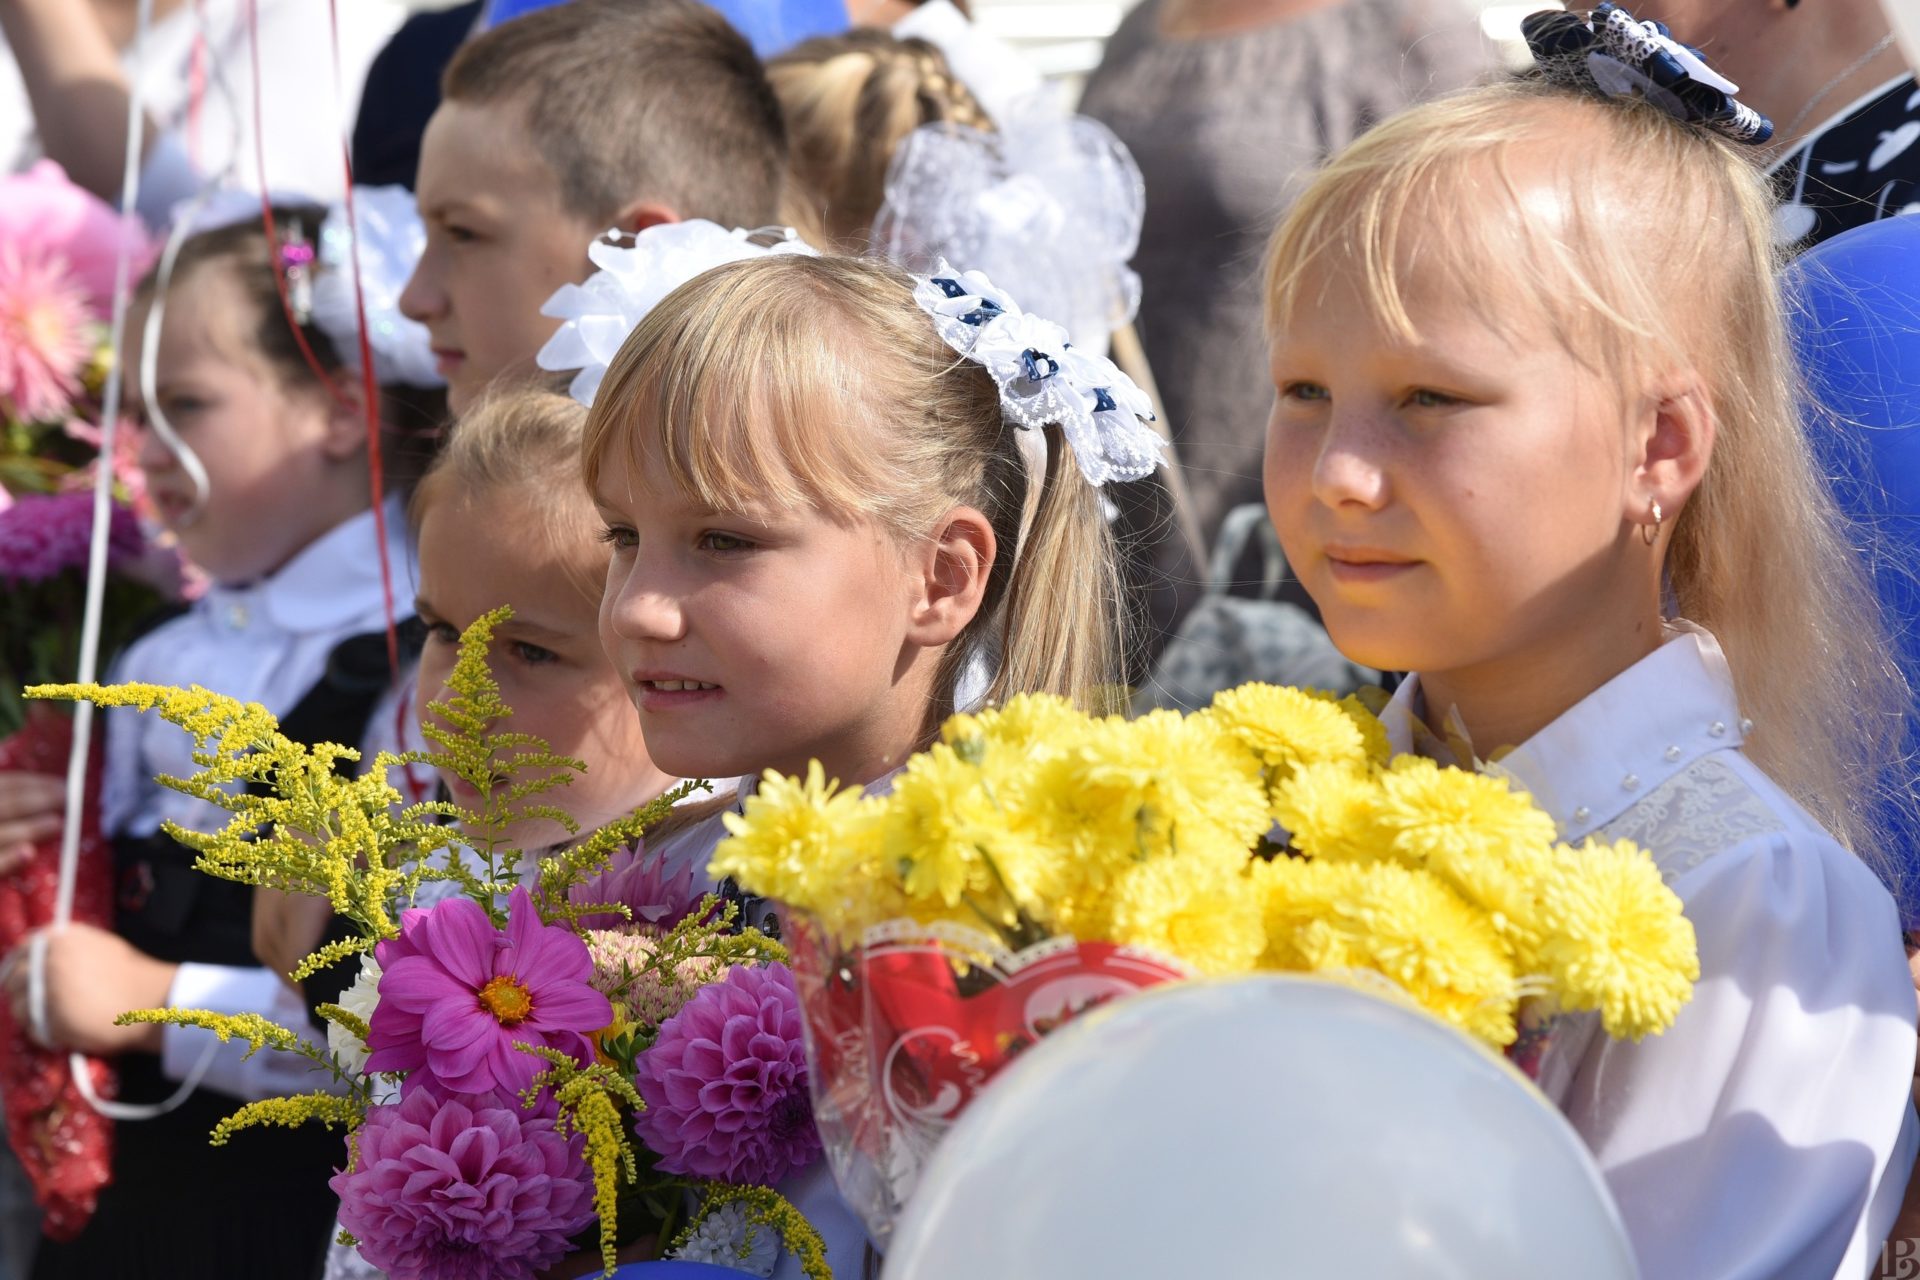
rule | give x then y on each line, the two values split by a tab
1534	408
828	530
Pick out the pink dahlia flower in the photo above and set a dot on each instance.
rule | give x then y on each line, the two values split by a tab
726	1083
46	333
658	898
448	1187
42	210
457	994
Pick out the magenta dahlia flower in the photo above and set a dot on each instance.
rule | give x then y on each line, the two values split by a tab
726	1083
447	1187
43	535
456	995
658	898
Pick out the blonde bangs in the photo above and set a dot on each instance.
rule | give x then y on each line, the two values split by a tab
818	382
1430	195
735	386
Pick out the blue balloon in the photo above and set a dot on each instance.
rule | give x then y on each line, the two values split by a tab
1858	335
771	26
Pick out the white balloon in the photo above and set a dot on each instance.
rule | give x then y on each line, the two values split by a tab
1264	1126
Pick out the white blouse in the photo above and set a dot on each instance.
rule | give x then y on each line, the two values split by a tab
1770	1131
266	643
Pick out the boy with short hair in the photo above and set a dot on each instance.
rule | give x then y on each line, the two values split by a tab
559	125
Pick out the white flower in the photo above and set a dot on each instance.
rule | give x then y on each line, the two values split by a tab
597	316
360	1000
728	1239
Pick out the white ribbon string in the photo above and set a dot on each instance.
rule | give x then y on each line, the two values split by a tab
83	712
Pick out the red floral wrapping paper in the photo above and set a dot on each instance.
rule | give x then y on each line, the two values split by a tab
904	1031
65	1144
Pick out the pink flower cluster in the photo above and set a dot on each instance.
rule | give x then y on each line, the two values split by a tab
459	1179
449	1186
59	246
457	995
45	535
726	1083
658	898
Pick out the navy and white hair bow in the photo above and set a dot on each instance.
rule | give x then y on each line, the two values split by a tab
1043	378
1609	53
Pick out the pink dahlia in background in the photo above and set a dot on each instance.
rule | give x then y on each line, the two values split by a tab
658	898
46	333
41	210
726	1083
43	535
457	994
449	1187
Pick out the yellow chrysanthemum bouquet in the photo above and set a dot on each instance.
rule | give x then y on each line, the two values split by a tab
1037	860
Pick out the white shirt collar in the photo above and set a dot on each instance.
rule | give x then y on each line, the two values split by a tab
332	583
1622	740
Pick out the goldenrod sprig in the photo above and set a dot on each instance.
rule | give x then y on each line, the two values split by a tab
589	1100
567	868
767	1208
329	1109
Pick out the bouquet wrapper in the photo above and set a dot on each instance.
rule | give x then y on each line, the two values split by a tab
906	1027
65	1145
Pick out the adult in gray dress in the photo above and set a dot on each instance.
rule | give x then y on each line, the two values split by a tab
1229	105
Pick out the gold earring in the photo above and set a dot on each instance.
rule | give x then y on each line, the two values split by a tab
1650	533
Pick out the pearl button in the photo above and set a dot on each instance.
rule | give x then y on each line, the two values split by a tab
1746	726
1672	754
236	616
1719	729
1582	814
1631	781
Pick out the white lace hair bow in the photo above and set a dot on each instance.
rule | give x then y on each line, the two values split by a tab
392	238
1043	378
597	316
1051	200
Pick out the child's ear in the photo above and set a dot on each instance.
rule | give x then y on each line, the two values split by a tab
346	422
954	572
1673	444
641	214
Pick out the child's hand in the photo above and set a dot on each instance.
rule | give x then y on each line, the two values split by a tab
93	976
287	927
32	807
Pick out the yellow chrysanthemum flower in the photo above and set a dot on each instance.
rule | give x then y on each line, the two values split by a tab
1199	911
1400	922
1296	894
1332	811
1615	938
939	825
1063	844
1487	840
795	838
1181	779
1025	722
1289	728
1438	814
1373	734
